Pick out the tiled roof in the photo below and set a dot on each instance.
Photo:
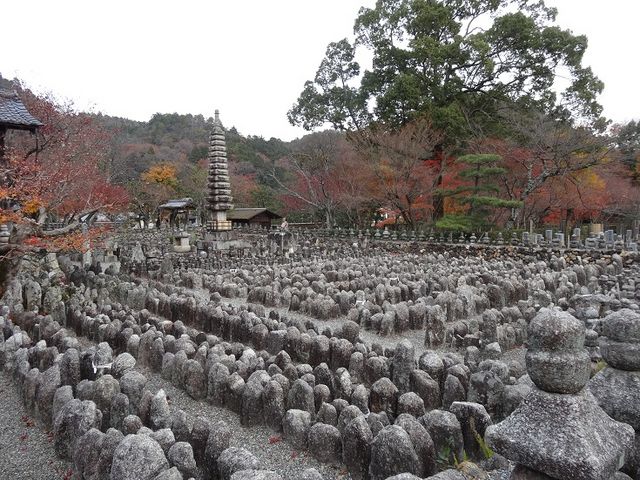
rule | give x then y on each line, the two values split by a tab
249	213
14	114
178	203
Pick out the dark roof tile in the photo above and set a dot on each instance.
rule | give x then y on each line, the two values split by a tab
14	114
178	203
249	213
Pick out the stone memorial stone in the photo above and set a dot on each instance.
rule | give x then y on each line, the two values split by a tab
138	457
559	429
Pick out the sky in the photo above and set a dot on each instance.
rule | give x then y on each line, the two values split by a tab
247	58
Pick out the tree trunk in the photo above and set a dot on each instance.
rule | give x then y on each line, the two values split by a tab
438	199
3	131
438	204
408	217
4	180
328	218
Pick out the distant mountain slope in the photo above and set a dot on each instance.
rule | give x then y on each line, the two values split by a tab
182	140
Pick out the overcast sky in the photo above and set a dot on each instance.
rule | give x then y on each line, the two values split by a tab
249	58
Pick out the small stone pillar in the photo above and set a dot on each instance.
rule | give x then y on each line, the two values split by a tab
87	255
574	242
559	429
617	387
591	242
618	244
110	260
51	260
4	234
558	240
181	242
628	238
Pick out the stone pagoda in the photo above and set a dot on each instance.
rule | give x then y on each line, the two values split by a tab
219	199
219	234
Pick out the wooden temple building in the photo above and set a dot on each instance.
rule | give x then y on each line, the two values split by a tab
253	217
14	116
176	212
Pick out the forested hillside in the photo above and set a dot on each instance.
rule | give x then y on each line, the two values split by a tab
166	157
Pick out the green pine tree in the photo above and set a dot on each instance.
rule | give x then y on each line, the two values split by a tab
478	192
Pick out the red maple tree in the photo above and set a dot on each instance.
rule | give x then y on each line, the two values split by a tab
57	175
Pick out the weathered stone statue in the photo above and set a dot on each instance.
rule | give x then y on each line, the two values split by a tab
559	429
617	387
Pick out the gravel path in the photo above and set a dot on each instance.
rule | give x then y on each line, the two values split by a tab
272	452
26	451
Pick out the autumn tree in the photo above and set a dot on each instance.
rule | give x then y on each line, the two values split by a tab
538	149
325	178
245	188
157	185
57	176
161	174
627	141
312	175
457	62
401	168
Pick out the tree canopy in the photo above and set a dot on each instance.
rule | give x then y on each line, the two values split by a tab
61	178
455	61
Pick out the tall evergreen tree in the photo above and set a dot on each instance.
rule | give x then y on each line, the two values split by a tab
478	192
461	63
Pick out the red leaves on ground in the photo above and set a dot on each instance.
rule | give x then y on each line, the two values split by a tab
27	421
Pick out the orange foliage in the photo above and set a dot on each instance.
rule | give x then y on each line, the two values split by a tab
586	195
401	166
162	174
57	176
75	241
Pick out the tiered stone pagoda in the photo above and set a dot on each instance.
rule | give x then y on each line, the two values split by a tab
219	199
219	234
